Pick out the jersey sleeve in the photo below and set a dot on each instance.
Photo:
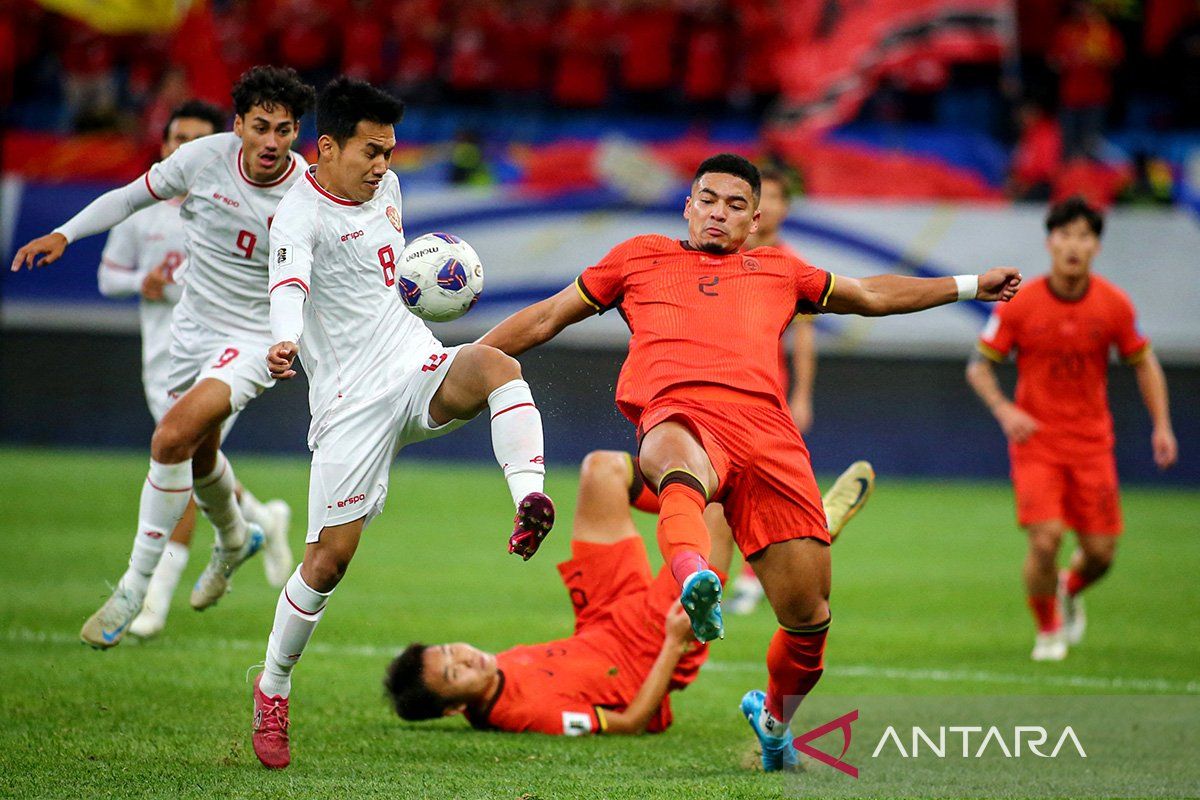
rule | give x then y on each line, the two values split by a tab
293	239
812	286
1132	344
173	176
118	275
560	718
998	337
602	284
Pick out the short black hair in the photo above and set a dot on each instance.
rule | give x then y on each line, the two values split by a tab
404	683
344	102
1067	211
735	165
196	109
770	173
272	86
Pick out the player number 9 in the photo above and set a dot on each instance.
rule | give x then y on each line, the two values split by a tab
245	242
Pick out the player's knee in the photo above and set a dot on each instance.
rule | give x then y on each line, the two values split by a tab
603	468
1099	561
324	569
171	443
497	367
804	610
1044	543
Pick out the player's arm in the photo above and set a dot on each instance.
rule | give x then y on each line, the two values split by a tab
881	295
98	216
981	375
539	323
117	275
291	259
1152	383
637	716
804	372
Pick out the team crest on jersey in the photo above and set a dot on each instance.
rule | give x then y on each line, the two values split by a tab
750	264
394	217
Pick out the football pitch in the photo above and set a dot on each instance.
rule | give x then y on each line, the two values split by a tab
927	601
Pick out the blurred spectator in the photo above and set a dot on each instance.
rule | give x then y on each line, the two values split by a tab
1183	67
470	69
89	78
523	32
363	41
647	41
761	28
1085	51
707	58
1038	155
581	76
173	90
302	39
242	34
419	30
467	164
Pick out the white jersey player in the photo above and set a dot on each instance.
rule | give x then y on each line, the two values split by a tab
379	379
233	181
146	256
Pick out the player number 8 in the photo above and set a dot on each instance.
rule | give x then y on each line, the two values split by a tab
387	260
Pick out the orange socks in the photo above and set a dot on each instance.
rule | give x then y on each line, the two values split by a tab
795	661
682	534
1045	611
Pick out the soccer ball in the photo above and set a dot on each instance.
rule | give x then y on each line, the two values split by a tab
440	277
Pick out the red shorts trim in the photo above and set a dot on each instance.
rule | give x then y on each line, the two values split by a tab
1083	492
765	472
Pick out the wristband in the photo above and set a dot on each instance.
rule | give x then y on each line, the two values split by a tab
968	286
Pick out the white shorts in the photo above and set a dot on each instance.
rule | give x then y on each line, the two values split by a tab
355	446
237	360
156	381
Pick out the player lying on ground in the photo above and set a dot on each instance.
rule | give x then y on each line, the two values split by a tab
219	331
146	256
1060	432
701	384
379	379
632	643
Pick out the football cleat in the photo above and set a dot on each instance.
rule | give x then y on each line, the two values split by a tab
270	731
701	599
778	752
534	519
847	496
213	583
153	618
1050	646
747	594
277	553
1073	614
108	625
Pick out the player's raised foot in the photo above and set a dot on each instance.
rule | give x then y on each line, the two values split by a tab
1074	617
534	519
277	553
270	732
747	594
152	619
848	495
213	583
778	752
109	624
1050	646
701	599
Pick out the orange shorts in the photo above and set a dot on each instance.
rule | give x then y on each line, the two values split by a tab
621	606
766	480
1082	492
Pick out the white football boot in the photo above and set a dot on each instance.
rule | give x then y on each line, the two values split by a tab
108	625
1050	646
277	553
213	583
1073	614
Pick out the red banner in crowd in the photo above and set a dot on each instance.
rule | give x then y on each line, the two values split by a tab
838	51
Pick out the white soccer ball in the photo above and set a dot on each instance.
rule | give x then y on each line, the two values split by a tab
440	277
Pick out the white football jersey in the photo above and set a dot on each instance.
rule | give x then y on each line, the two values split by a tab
226	218
138	245
358	337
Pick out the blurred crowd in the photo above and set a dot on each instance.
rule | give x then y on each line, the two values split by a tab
1081	67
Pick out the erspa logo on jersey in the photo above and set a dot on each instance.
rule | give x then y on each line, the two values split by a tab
394	217
229	201
349	237
358	498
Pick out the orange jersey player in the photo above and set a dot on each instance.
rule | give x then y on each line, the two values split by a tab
1063	327
632	643
701	383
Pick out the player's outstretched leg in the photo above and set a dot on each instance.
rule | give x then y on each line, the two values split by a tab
237	539
796	577
1089	563
165	496
673	458
483	377
153	617
275	518
1041	584
300	607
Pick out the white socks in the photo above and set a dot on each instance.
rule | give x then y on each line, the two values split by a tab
165	496
167	574
216	498
517	438
297	613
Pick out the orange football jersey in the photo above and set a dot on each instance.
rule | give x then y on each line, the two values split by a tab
699	318
1063	349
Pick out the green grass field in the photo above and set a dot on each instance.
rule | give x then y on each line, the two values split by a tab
927	601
